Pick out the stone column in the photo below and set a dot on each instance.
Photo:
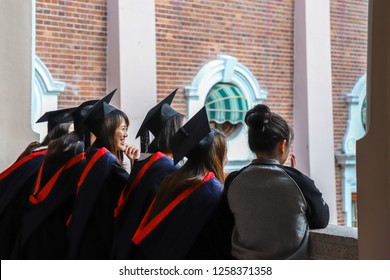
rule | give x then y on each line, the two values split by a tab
313	115
131	58
16	75
373	150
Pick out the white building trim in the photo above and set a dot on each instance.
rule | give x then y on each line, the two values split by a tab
44	97
347	158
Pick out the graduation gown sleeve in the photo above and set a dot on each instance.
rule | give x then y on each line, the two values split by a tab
16	185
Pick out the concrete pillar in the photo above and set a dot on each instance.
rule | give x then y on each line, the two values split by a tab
313	115
373	150
16	75
131	58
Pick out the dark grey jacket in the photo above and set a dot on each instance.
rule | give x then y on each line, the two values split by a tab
273	206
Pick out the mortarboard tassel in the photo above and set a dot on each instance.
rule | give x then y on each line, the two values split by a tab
145	141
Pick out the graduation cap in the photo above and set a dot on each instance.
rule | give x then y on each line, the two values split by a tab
80	113
56	117
155	120
98	112
192	139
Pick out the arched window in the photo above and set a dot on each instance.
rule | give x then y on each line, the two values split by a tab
226	108
356	129
242	92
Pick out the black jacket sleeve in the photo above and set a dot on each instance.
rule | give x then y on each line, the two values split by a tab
318	211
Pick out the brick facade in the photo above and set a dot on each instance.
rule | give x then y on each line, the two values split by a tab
71	40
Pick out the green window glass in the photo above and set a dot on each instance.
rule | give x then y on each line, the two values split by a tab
226	103
226	108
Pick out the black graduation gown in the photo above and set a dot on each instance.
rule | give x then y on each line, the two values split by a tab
44	231
145	178
16	184
215	240
90	228
172	233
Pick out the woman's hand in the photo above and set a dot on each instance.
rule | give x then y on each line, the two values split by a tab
132	152
293	161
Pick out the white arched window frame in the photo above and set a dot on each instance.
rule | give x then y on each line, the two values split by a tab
44	96
226	69
347	158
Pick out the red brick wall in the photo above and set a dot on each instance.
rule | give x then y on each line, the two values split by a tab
259	34
71	41
349	62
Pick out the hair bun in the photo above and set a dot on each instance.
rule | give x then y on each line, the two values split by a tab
258	117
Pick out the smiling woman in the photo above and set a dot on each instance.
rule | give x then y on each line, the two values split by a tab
90	226
120	136
110	125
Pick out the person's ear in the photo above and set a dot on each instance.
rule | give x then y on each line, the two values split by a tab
282	146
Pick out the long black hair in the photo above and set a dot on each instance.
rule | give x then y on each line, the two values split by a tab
105	134
162	143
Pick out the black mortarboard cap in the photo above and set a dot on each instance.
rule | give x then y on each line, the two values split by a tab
190	135
96	115
80	113
56	117
157	116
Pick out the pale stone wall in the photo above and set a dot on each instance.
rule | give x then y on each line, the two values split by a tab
334	243
16	75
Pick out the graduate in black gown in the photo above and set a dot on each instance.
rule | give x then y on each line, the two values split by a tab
90	228
147	173
44	231
186	199
16	182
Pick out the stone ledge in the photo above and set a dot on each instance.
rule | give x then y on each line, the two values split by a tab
334	243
